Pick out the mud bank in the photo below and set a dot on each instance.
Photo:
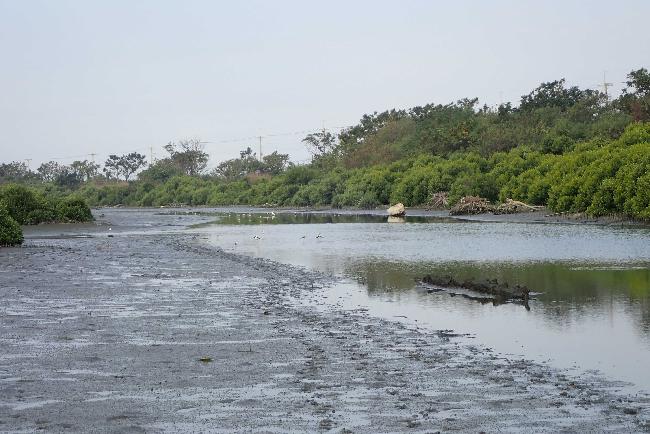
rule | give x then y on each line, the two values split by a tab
107	334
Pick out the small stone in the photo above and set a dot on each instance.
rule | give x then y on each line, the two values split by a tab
412	423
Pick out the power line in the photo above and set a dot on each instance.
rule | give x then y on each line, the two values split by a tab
245	139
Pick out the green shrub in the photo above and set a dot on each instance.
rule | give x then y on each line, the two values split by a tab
10	232
636	133
74	209
368	201
22	202
42	215
30	207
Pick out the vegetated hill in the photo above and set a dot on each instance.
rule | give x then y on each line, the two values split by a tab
569	148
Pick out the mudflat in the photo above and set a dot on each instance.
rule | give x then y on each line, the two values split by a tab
152	330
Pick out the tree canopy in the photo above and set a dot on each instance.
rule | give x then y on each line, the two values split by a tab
124	165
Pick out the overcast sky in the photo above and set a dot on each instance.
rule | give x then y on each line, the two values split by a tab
81	77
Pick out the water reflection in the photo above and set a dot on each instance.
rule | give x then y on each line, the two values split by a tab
577	283
565	291
284	218
593	310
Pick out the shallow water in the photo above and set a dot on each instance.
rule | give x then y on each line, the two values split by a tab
593	310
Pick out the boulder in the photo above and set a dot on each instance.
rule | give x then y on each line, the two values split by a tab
397	210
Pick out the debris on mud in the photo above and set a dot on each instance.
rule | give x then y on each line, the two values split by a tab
501	292
439	200
511	206
472	205
205	359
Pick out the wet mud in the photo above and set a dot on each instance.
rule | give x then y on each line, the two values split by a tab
157	332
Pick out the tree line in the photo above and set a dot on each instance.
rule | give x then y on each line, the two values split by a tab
569	148
185	157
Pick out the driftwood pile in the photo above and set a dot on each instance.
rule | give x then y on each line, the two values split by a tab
500	291
439	200
469	205
514	207
472	205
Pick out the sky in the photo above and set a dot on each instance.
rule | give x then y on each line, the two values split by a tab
108	77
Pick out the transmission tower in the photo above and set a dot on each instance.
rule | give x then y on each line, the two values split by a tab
606	85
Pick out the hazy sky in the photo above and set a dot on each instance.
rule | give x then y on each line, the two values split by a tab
81	77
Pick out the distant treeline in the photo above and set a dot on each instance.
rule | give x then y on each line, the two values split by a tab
571	149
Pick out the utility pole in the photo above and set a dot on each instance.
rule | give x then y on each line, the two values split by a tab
606	85
260	137
150	155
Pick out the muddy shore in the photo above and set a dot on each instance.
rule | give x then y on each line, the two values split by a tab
107	334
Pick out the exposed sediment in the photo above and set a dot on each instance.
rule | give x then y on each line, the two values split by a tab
109	334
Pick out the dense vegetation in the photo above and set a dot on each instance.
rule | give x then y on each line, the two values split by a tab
10	232
20	205
571	149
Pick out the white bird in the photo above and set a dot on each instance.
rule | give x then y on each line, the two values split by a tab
319	236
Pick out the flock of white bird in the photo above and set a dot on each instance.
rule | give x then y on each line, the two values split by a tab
272	215
258	237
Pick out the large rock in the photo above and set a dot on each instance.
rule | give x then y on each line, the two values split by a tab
396	210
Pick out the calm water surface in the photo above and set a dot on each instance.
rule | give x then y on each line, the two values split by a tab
593	310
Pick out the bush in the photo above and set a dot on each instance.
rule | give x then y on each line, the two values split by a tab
74	209
10	232
30	207
41	215
22	202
